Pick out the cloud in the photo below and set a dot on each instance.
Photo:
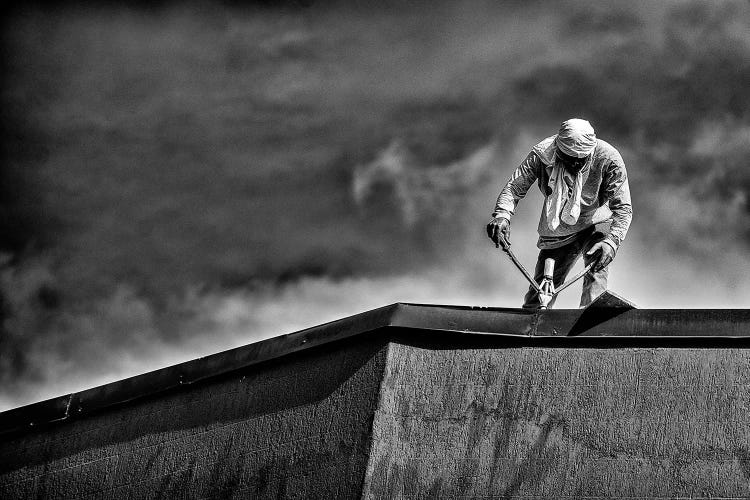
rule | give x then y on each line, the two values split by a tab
431	194
175	179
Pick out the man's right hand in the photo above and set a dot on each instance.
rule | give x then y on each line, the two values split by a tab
498	230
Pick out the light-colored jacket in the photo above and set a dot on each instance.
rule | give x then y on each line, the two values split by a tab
605	195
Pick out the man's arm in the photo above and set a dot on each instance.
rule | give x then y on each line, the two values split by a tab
617	191
515	189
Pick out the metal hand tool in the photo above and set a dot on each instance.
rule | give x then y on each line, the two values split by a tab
545	289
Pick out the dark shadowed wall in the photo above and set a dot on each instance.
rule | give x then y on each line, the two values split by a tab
296	428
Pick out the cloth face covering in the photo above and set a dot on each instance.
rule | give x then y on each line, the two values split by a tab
564	203
576	138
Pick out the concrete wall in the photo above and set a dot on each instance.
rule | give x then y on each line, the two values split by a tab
424	417
296	428
562	423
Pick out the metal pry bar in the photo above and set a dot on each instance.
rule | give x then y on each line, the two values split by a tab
576	278
505	245
506	248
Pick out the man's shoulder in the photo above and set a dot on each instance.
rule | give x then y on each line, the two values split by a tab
607	152
545	150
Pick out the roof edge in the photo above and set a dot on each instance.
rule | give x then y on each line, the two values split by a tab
80	403
703	327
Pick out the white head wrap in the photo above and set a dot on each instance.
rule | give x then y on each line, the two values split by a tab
576	138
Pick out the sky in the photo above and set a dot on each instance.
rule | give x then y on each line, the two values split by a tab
177	180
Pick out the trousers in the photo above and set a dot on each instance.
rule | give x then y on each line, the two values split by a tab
594	283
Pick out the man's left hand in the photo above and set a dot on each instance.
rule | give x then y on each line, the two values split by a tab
607	254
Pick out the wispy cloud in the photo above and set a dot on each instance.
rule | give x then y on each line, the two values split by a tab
176	180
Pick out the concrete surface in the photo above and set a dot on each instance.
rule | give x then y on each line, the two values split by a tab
296	429
413	401
562	423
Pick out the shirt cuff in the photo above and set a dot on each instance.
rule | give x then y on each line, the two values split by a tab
501	213
610	242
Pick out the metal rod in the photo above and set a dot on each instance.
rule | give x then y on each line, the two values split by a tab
533	283
576	278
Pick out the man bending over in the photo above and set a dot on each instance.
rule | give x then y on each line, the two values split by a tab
586	206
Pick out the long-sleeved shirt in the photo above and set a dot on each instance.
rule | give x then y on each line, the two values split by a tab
605	195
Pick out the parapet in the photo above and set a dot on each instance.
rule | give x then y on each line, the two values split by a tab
415	401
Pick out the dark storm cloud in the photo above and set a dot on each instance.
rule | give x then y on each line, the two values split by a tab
177	179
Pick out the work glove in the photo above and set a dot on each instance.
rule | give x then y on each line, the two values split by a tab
498	230
606	256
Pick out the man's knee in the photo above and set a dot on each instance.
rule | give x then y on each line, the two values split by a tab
594	284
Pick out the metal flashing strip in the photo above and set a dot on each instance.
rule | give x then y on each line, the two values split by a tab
496	327
87	401
460	319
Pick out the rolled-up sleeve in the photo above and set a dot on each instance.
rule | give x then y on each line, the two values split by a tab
517	186
617	192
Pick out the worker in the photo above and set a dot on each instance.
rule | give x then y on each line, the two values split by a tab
586	210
